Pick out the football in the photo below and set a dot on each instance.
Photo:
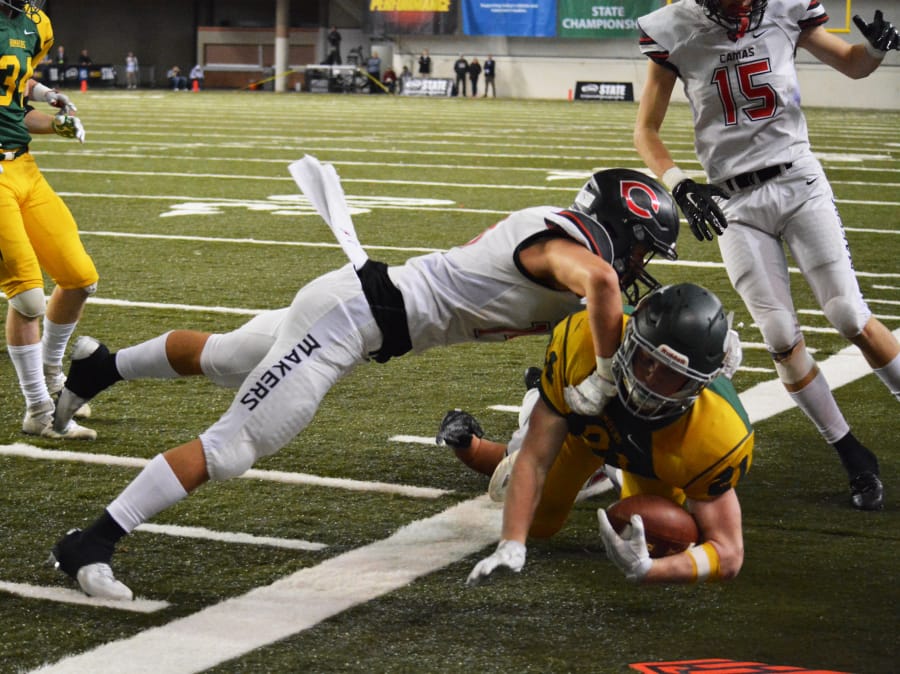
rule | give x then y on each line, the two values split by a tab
669	528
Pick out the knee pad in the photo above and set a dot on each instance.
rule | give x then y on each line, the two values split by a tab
229	460
849	318
793	365
90	290
31	303
780	330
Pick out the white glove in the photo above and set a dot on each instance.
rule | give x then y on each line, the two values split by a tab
628	551
591	395
68	127
510	554
61	101
734	354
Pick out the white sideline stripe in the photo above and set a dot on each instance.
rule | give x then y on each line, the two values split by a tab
297	602
29	452
229	537
67	596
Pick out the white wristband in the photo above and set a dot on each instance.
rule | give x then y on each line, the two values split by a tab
39	92
604	367
674	176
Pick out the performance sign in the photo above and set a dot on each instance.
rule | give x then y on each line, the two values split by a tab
420	17
510	18
598	19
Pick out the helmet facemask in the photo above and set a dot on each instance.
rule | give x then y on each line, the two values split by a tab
24	7
737	21
639	397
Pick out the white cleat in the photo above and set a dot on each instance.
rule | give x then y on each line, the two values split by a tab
97	580
500	479
596	484
39	421
56	380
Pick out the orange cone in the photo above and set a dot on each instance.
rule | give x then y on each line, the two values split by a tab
83	86
195	86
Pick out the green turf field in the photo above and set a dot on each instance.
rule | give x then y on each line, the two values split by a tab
185	203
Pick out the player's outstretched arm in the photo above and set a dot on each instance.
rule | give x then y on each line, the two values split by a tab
695	200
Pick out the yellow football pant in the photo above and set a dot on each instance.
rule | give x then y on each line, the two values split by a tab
37	231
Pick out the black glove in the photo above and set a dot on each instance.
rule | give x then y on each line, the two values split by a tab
881	34
701	212
457	429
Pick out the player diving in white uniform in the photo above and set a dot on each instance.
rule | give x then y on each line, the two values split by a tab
735	59
519	277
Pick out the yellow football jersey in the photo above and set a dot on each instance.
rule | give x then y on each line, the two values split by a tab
699	454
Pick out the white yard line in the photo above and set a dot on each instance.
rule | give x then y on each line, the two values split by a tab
29	452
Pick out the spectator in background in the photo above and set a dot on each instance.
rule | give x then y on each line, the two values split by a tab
405	74
131	71
490	69
84	60
425	64
197	76
373	67
474	74
461	68
177	81
334	41
389	79
60	55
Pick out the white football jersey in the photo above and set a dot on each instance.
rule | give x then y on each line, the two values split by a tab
744	95
478	291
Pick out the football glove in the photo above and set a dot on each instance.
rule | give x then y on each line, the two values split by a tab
61	101
701	212
881	34
591	395
628	551
68	127
457	429
509	554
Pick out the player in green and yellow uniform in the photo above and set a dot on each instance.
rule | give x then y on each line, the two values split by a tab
37	231
676	428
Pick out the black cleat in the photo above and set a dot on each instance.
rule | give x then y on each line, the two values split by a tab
866	491
532	378
88	565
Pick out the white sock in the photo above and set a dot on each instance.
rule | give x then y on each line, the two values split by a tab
890	375
154	489
818	403
30	370
56	337
146	360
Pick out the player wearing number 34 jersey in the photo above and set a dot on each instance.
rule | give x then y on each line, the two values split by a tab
767	192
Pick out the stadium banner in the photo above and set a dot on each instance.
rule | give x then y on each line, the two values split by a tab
604	91
411	17
427	86
602	18
510	18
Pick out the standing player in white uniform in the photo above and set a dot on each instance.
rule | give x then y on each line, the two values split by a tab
736	61
519	277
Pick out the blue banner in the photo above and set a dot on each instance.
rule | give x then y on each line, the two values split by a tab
510	18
